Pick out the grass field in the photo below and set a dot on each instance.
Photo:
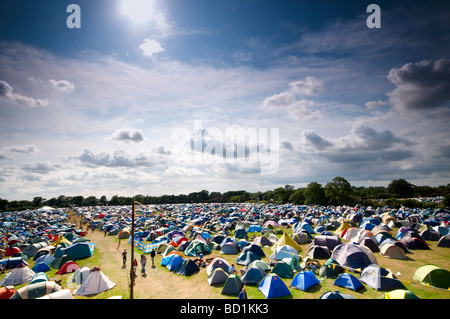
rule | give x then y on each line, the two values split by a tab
159	283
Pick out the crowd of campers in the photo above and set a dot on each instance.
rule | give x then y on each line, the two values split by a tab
344	244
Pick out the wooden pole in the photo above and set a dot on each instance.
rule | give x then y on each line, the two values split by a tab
132	252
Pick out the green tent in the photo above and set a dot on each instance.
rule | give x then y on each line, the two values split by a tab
197	247
431	275
283	270
232	286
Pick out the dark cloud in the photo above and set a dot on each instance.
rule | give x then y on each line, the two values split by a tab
372	139
316	140
25	149
128	135
40	167
422	85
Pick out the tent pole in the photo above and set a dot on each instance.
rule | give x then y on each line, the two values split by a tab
132	252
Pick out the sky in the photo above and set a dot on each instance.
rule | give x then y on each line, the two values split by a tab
153	97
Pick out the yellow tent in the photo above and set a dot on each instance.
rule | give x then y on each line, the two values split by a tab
286	240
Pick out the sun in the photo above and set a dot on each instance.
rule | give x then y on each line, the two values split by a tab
138	11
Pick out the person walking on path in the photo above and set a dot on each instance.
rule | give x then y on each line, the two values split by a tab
152	254
124	258
143	263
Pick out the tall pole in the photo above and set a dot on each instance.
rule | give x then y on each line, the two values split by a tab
132	252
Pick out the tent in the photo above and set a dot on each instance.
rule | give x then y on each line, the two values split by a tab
304	280
174	262
255	249
415	243
400	294
283	270
444	241
246	258
32	249
12	262
370	243
36	290
41	267
186	268
261	264
123	234
433	276
45	259
302	237
218	276
319	252
230	248
349	281
68	267
273	287
253	276
430	234
262	241
19	275
353	256
286	240
218	262
79	250
95	283
392	251
61	294
286	251
328	241
7	292
335	295
58	262
293	262
79	275
379	278
197	247
330	270
232	286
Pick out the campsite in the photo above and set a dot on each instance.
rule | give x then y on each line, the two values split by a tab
293	252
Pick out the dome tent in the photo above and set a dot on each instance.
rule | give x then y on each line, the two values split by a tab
95	283
353	256
304	280
273	287
433	276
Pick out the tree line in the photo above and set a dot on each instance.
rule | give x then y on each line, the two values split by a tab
336	192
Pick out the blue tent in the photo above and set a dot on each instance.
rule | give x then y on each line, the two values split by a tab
254	229
349	281
165	260
273	287
41	267
304	280
174	262
335	295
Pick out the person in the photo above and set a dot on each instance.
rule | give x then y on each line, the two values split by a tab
143	262
233	269
124	258
243	294
152	254
135	264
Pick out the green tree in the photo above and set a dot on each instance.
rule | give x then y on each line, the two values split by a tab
297	197
400	188
339	191
315	194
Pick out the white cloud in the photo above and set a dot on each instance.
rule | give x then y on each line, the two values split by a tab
375	104
63	86
150	47
6	92
309	87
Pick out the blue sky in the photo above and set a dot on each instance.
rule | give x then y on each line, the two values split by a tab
160	97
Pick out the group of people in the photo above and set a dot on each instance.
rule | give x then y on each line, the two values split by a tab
143	261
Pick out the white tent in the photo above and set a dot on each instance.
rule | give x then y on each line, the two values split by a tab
21	274
95	283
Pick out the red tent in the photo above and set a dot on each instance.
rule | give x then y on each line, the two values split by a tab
69	266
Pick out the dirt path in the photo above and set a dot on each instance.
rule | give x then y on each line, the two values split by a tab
158	283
